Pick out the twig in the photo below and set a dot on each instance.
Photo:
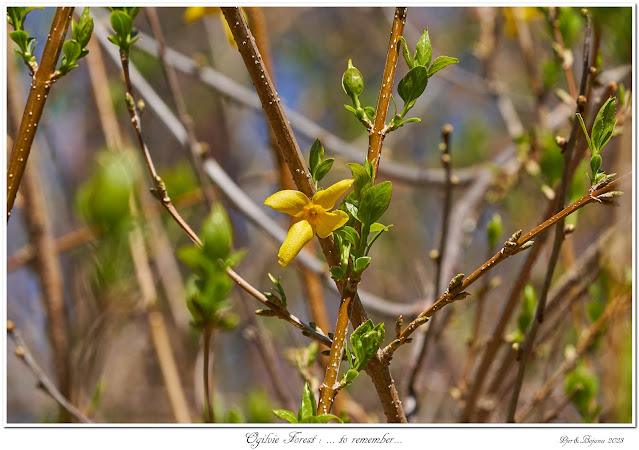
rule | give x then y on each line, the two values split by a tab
455	291
311	280
276	117
376	136
329	388
524	38
44	382
207	335
559	232
159	336
279	311
229	88
257	335
443	241
195	151
48	265
160	191
593	331
40	87
566	63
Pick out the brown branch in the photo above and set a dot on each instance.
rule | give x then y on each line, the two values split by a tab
559	230
329	388
157	326
195	149
160	191
456	293
566	63
443	241
48	266
311	281
376	137
40	87
44	382
279	311
593	332
288	145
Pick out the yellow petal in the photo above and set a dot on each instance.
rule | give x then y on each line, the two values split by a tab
330	222
327	197
298	235
194	13
287	201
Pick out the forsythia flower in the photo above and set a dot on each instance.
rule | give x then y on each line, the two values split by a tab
194	13
311	216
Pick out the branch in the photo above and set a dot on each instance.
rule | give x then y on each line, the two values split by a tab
594	330
376	136
443	240
42	82
559	232
455	291
277	120
44	382
229	88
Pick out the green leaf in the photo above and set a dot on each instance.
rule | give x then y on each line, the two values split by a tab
582	385
285	414
83	29
352	209
370	113
71	50
375	228
375	202
406	53
440	63
192	256
323	169
527	309
325	418
349	376
280	289
316	155
361	179
122	24
337	273
21	38
365	341
217	234
604	125
593	150
424	51
362	263
595	164
350	235
494	230
412	86
308	407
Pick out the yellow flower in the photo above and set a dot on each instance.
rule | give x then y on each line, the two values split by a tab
311	216
194	13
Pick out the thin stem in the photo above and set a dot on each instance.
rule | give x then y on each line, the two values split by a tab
48	266
157	327
44	382
559	231
566	63
195	151
206	336
593	332
443	241
279	311
160	191
329	388
288	145
376	136
229	88
40	87
450	295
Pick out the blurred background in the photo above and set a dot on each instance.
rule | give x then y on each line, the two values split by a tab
506	101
